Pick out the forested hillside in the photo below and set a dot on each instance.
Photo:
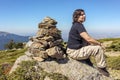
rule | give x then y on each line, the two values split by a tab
6	37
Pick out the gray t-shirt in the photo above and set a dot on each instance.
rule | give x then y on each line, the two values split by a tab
75	41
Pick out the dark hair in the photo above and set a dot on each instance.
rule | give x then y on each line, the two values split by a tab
76	14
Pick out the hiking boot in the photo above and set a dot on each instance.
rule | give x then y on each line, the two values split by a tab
103	71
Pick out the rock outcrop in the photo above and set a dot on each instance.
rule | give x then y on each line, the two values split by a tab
49	52
72	69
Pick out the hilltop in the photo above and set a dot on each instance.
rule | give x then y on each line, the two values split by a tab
112	53
7	62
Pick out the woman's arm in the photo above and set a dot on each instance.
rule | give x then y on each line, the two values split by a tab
89	39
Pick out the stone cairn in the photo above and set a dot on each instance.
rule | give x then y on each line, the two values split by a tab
47	42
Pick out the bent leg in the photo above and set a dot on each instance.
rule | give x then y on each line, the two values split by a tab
86	52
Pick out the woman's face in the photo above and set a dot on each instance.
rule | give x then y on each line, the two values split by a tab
81	17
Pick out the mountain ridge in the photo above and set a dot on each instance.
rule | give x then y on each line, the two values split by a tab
5	37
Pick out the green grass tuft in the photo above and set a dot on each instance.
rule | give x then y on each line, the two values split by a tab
113	62
10	56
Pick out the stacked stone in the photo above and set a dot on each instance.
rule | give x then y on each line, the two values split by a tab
47	42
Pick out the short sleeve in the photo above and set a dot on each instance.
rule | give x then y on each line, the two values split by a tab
80	28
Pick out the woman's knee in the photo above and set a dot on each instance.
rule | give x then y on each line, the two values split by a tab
99	47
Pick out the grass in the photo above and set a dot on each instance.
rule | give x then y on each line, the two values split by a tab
109	39
10	56
114	46
7	59
113	62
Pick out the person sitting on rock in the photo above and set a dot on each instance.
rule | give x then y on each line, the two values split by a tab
81	45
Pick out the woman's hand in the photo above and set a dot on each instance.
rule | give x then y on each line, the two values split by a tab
103	47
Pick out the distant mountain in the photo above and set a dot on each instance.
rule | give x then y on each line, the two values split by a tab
5	37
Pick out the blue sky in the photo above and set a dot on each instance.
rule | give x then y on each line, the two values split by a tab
22	16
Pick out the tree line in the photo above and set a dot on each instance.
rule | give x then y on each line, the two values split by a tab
14	45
